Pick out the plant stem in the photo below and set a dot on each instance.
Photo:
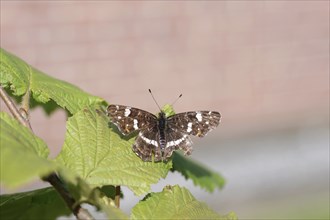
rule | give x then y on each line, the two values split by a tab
13	109
26	104
77	210
52	178
117	196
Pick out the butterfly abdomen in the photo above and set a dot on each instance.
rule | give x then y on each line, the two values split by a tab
162	128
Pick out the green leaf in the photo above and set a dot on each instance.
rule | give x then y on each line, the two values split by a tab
200	175
110	191
23	78
168	110
101	156
23	155
173	203
32	205
84	193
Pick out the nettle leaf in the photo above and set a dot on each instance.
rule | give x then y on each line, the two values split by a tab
200	175
32	205
23	155
174	202
23	78
101	156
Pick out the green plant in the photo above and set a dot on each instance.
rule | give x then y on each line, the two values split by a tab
95	161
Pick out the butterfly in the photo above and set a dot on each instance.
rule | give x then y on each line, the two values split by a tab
160	136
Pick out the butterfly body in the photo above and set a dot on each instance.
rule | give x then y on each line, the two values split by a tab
162	128
159	136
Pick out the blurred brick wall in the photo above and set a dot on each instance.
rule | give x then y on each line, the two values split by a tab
264	65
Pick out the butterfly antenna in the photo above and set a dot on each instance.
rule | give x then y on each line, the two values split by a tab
154	99
176	100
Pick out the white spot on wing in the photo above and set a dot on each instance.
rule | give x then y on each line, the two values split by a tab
148	141
119	117
153	142
176	142
199	116
127	112
189	129
135	126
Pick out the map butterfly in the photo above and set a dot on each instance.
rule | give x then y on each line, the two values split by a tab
159	136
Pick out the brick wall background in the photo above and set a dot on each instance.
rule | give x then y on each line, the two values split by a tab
263	65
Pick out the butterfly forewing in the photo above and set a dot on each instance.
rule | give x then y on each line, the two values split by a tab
129	119
197	123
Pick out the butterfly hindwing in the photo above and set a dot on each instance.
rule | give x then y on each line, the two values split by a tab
197	123
146	145
175	141
129	119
